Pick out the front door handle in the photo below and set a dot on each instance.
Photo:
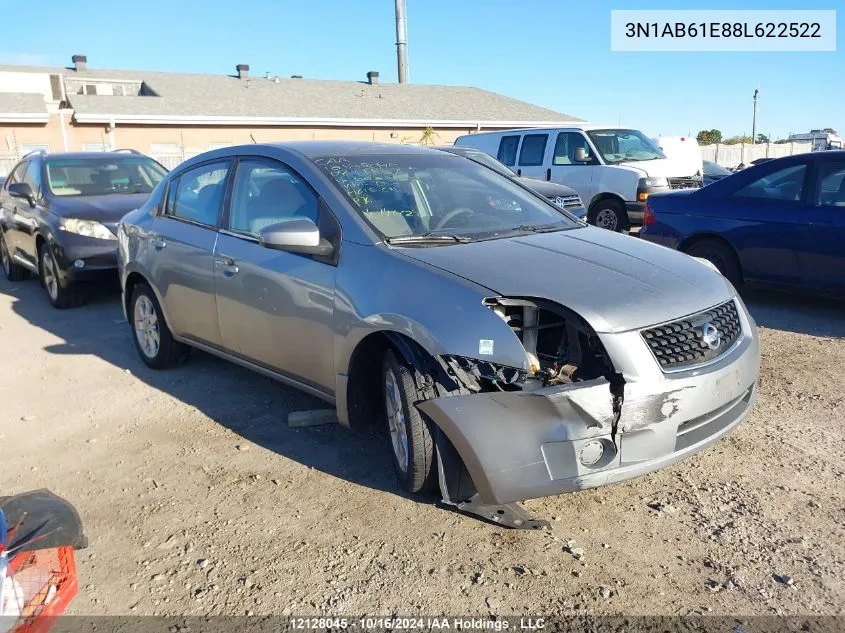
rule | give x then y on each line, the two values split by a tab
549	173
158	243
227	265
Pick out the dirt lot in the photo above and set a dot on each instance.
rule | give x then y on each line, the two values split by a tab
198	499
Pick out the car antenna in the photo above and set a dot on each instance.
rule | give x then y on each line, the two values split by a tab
253	138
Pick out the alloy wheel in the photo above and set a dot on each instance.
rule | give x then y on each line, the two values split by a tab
50	276
396	420
4	255
146	327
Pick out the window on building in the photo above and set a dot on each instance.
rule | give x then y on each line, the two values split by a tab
27	148
96	147
164	148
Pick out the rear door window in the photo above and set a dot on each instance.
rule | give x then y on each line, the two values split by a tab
507	150
832	193
785	185
533	150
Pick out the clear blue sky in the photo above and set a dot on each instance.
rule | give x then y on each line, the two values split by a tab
553	53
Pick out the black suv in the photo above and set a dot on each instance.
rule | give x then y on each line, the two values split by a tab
59	215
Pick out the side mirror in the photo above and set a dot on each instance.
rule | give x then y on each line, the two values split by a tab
295	236
581	155
22	190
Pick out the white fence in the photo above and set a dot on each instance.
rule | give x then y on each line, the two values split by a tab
733	155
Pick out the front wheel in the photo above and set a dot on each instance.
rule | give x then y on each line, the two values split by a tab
153	339
13	271
61	294
609	214
409	432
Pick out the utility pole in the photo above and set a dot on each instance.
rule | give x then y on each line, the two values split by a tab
401	42
753	117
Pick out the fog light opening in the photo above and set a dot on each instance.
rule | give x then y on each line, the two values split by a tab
79	263
591	453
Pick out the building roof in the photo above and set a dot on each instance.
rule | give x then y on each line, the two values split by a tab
22	107
222	99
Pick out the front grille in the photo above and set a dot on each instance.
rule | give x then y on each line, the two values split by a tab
567	202
688	182
694	339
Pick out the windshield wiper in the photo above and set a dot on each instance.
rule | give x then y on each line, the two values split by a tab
541	228
428	238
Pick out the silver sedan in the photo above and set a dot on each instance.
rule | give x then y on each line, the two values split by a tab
510	350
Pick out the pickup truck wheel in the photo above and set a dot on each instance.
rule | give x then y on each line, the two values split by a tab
13	271
61	295
721	256
153	339
409	432
608	214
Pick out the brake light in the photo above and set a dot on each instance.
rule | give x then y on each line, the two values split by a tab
648	215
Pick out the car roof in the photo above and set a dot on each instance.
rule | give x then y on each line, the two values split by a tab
315	149
78	155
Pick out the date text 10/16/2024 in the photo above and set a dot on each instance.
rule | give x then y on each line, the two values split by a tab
421	623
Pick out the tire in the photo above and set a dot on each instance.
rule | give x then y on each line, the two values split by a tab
153	339
12	271
721	256
416	472
609	214
60	295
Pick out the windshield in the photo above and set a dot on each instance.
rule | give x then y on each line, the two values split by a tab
489	161
102	175
618	146
714	169
407	195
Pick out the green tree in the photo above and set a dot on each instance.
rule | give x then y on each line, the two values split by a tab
428	135
709	137
762	138
735	140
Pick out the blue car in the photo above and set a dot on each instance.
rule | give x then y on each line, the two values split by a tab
780	223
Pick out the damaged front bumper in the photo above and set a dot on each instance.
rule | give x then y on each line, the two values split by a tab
525	444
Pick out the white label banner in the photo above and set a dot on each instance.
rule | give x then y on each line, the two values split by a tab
723	30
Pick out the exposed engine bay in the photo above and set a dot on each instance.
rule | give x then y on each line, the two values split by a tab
560	347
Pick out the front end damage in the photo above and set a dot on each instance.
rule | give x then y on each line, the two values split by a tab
574	420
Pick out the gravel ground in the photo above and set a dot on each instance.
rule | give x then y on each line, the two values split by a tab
198	499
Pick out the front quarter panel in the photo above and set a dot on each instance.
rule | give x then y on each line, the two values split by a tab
379	289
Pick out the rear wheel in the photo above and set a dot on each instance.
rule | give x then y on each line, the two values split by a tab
13	271
153	339
609	214
410	433
721	256
61	295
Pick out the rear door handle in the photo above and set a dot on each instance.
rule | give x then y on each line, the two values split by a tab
158	243
227	265
549	173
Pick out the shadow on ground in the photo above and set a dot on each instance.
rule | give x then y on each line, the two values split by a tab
793	313
249	404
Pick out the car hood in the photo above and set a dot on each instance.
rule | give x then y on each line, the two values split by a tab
106	209
547	189
665	167
615	282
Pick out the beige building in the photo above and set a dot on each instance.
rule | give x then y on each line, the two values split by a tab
174	116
